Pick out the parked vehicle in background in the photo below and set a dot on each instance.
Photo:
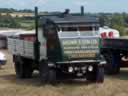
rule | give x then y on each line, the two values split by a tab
106	32
3	59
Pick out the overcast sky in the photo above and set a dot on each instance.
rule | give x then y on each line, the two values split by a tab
74	5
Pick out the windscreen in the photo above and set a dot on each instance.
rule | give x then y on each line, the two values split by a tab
71	34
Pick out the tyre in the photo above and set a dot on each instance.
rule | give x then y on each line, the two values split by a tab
100	75
108	66
44	71
52	76
112	66
91	76
19	70
23	68
28	70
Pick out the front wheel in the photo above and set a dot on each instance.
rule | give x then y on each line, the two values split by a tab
47	75
97	75
52	76
43	69
91	76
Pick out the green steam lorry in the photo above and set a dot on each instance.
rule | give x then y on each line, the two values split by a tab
63	47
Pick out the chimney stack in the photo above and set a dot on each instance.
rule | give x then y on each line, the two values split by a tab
82	10
67	11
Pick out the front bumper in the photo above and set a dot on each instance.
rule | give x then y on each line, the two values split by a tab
79	65
3	62
80	62
83	62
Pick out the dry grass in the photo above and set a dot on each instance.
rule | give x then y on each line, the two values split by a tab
10	86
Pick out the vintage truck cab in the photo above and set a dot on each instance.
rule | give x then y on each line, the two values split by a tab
64	47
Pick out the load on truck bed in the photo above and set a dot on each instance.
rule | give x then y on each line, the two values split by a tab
63	46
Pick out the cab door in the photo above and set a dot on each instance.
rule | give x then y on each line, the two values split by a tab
52	41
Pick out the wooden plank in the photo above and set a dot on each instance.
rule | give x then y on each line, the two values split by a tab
21	47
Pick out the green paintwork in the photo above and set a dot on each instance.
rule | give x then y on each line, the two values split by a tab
80	48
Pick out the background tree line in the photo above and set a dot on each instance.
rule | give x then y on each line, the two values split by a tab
10	10
9	21
118	21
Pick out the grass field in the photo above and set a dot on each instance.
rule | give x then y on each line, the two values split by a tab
10	86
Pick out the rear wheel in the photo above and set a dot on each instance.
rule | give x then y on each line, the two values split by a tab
28	68
23	68
19	70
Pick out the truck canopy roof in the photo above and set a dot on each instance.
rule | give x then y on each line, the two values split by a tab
73	21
